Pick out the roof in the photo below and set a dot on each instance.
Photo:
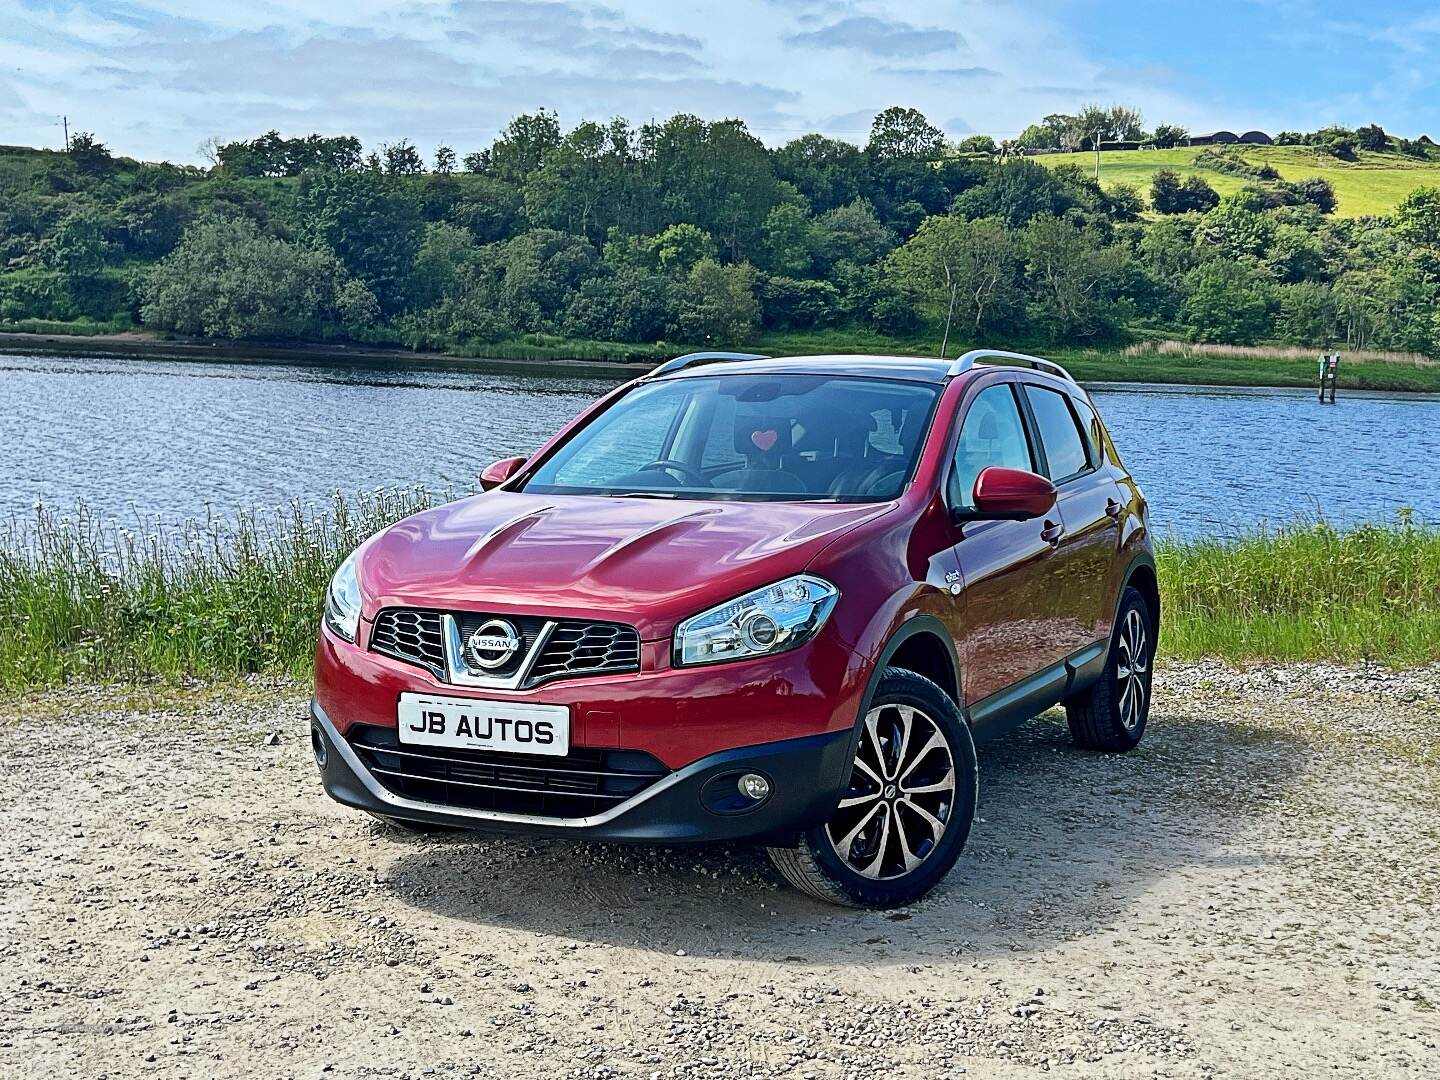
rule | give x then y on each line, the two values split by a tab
914	368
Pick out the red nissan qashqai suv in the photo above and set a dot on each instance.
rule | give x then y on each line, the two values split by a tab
744	597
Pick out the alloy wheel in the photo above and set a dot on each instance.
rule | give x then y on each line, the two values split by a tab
1132	669
900	796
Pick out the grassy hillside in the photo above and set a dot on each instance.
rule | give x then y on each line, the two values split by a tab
1372	184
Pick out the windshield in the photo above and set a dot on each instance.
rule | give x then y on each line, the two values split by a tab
753	437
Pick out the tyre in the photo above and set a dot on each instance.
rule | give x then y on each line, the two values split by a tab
907	808
1111	714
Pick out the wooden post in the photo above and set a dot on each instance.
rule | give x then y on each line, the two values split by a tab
1329	373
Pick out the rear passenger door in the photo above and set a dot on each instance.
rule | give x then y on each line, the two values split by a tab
1088	502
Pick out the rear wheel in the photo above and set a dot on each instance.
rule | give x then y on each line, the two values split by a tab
1111	714
906	812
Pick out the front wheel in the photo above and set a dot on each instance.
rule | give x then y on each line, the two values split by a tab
906	812
1111	714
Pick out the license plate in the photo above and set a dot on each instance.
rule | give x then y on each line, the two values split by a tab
474	724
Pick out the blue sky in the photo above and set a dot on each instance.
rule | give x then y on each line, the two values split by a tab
155	78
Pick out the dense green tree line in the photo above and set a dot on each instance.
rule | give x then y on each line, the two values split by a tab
690	232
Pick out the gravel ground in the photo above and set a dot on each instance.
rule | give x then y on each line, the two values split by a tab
1251	893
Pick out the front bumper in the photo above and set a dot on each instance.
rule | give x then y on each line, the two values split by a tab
806	775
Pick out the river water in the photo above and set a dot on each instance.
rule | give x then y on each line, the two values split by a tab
147	440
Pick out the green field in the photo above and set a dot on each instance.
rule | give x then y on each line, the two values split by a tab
1372	184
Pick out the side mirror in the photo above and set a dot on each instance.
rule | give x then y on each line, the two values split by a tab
1007	495
496	474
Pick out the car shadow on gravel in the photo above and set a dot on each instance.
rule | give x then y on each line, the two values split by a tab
1065	845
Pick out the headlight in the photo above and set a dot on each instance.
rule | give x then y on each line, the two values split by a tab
768	620
342	600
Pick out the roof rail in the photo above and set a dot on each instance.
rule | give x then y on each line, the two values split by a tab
694	359
978	356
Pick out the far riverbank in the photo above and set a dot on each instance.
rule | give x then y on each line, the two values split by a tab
1150	362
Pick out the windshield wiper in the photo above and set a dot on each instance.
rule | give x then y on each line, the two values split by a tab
645	495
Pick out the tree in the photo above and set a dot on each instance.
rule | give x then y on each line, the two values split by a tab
590	181
1114	123
1168	135
372	223
788	303
445	264
1171	195
1237	228
1372	137
77	247
717	304
977	144
1317	191
850	233
898	132
88	154
827	172
1015	192
789	240
402	159
541	272
444	160
227	279
680	247
631	303
1226	302
1417	218
714	175
521	148
1074	279
960	273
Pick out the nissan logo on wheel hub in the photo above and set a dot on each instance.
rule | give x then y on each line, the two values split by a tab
493	645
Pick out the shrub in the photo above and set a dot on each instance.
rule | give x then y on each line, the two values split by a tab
226	279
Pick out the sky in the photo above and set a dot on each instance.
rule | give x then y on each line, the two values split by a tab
155	78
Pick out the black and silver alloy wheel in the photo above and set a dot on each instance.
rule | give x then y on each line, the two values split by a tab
1132	669
902	790
1111	713
905	813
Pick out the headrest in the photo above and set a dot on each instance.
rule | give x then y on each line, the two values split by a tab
989	428
762	435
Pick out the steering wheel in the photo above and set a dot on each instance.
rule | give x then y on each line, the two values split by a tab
678	469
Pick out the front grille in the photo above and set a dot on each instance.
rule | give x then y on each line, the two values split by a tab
577	648
574	648
413	636
585	782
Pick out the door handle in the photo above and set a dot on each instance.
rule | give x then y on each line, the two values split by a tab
1113	509
1052	532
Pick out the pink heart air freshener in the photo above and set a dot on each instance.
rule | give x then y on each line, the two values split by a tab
764	440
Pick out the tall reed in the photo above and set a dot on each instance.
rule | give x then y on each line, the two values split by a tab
86	601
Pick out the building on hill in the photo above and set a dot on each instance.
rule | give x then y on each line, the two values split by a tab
1212	138
1257	138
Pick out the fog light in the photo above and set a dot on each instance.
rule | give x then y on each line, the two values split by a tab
318	747
754	786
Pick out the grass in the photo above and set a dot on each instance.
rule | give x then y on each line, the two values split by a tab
1158	361
1310	592
1372	184
91	603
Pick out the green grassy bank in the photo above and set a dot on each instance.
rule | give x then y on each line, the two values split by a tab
1157	361
79	602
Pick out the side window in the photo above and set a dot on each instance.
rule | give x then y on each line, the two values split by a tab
992	434
1090	424
1059	434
